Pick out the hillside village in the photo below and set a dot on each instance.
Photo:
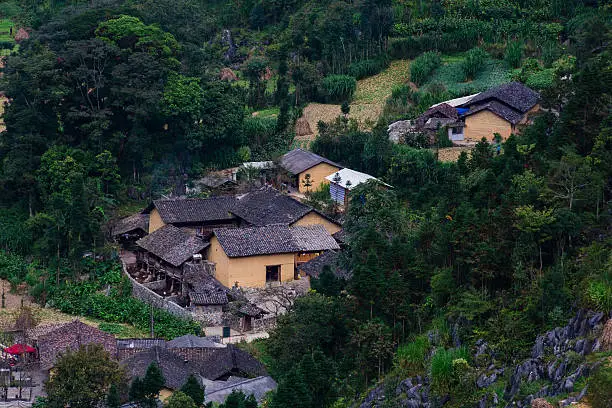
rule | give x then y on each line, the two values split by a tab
305	203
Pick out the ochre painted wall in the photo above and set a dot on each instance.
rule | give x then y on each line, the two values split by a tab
317	176
155	221
249	271
312	218
484	124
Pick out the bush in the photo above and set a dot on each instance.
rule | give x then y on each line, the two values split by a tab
368	67
443	368
541	80
514	54
338	88
474	62
600	392
422	67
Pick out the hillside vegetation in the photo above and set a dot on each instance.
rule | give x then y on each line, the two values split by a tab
115	103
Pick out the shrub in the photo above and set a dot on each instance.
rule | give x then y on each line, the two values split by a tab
338	88
474	62
442	370
514	54
368	67
422	67
600	392
411	357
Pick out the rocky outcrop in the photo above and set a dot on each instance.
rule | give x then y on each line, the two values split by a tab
397	130
557	364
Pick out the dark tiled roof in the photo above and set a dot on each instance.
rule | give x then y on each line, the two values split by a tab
215	180
442	110
267	206
513	94
195	210
315	266
204	289
71	336
171	244
250	309
191	341
274	239
230	360
499	109
174	368
132	223
340	236
123	344
298	161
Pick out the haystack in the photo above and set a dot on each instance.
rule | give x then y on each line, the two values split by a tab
227	74
540	403
21	35
302	127
606	337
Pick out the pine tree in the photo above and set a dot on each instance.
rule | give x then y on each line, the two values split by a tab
113	399
193	389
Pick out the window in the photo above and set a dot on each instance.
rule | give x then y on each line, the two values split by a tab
272	273
457	130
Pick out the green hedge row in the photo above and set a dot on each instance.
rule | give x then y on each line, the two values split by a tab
423	66
365	68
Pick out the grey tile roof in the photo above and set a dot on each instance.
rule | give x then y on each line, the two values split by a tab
191	341
298	161
513	94
442	110
267	206
505	112
174	368
123	344
203	288
230	361
274	239
131	223
171	244
195	210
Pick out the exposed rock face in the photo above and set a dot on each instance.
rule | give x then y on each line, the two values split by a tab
553	362
228	40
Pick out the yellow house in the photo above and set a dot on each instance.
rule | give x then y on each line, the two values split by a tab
267	206
260	256
308	168
504	110
501	110
195	214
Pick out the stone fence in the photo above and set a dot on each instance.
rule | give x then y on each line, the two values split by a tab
139	291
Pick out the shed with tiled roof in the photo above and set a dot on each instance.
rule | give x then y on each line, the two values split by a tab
172	245
300	163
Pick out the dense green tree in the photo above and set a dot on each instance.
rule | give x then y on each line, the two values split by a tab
82	378
180	400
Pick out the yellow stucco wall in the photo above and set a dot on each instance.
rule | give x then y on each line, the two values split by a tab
317	176
155	221
248	271
536	108
484	124
312	218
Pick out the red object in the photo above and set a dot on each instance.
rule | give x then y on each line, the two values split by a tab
18	349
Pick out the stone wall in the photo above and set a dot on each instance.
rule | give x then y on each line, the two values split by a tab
143	293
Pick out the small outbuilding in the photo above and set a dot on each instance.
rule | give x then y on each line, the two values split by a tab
307	170
343	181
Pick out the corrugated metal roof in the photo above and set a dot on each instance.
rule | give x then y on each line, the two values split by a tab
355	177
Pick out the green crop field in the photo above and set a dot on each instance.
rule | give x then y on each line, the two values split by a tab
451	76
5	27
